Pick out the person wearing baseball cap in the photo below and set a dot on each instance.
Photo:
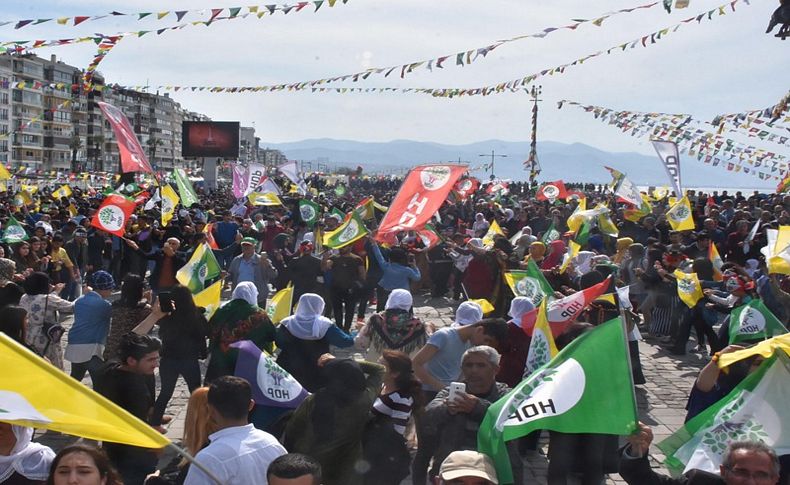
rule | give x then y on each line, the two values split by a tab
256	268
88	335
466	468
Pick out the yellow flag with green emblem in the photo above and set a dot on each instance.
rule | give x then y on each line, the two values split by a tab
169	202
689	288
209	299
493	230
279	306
63	191
59	403
680	216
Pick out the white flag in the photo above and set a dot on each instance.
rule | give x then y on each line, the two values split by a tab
290	170
256	174
668	153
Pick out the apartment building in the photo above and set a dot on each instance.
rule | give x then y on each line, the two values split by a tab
48	135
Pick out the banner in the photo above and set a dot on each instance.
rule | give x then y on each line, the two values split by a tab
255	176
423	191
239	180
185	189
670	158
133	157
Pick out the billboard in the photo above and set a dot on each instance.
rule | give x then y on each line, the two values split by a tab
210	139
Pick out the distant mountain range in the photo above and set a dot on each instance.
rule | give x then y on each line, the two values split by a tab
575	162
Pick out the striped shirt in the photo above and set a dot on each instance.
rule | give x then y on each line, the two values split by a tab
396	407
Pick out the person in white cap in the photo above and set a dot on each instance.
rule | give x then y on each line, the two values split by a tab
468	313
467	468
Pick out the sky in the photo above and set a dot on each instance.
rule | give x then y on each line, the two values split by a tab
721	66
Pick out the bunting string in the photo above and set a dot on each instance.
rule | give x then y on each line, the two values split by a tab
21	46
105	46
213	13
706	146
23	126
516	85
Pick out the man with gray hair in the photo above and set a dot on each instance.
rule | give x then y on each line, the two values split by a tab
451	424
743	462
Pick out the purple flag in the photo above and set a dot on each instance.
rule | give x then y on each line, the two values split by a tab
239	180
271	385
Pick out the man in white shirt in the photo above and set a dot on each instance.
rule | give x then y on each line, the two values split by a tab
238	453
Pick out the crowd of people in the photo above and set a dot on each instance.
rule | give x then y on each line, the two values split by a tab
395	409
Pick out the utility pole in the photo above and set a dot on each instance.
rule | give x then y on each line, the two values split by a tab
532	163
493	156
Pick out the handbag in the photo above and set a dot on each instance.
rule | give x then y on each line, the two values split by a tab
53	330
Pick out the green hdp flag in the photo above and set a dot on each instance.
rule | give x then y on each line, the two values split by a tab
530	283
309	211
583	234
202	266
14	232
551	234
352	229
337	212
754	321
185	190
586	388
340	190
756	410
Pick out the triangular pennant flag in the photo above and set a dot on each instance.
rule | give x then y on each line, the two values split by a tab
493	230
185	190
169	202
541	346
530	283
209	299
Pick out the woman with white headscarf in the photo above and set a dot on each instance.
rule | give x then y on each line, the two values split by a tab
395	328
481	225
22	462
238	319
304	337
515	349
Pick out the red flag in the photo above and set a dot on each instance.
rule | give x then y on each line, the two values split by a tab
133	157
429	236
552	191
495	187
423	191
466	187
113	214
141	197
561	313
208	229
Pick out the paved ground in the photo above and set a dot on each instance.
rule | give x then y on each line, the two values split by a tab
661	401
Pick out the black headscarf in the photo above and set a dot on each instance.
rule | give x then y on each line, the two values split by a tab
343	383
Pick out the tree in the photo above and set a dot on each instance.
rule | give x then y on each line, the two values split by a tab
152	143
75	144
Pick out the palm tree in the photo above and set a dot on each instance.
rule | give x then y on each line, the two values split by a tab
75	144
152	143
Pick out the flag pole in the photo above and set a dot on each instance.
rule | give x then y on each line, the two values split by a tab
624	325
191	459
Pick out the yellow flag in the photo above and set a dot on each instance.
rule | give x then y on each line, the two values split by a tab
493	230
689	289
209	298
169	202
680	216
280	304
72	210
574	250
60	403
4	175
766	348
777	250
484	304
30	189
269	198
605	223
63	191
542	347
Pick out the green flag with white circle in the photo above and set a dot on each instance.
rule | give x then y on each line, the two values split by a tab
14	232
309	211
754	321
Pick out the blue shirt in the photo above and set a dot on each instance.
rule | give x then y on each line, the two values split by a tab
445	365
396	276
225	233
91	319
246	270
